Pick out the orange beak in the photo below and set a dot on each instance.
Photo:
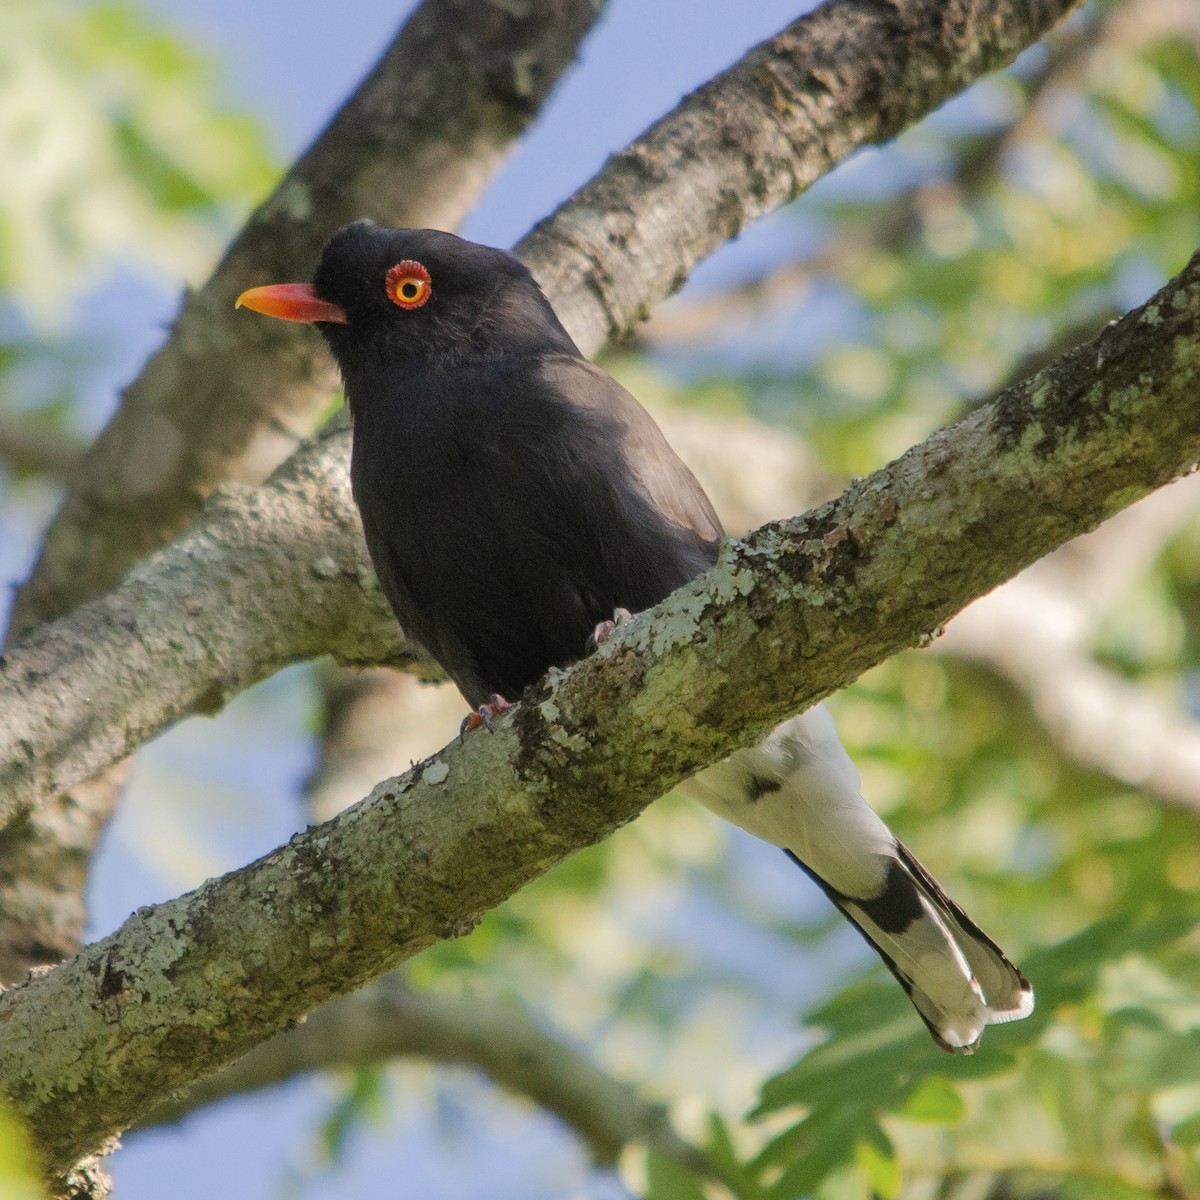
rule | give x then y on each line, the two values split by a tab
291	302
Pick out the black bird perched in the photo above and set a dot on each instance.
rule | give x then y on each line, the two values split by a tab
514	497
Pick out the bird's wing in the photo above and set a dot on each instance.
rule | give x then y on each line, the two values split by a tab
799	790
671	486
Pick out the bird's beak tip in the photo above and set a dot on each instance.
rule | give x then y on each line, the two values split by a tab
291	302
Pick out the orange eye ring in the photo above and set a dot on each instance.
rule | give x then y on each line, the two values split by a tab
408	284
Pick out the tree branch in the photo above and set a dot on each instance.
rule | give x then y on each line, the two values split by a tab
754	137
271	575
223	399
794	612
28	448
389	1020
377	724
1125	28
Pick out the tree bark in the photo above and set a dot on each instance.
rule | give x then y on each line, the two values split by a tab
849	74
787	616
389	1020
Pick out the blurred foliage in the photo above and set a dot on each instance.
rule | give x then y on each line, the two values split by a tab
117	157
18	1169
1002	231
362	1099
115	153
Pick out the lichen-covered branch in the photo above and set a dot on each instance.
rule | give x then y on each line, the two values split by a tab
278	575
224	399
389	1021
788	615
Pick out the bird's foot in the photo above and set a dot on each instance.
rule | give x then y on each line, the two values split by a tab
604	630
485	715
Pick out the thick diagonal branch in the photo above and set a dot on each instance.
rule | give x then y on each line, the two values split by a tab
85	690
1125	28
794	612
847	75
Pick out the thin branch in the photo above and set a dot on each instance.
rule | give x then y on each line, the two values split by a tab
794	612
223	399
28	448
44	859
1036	632
389	1021
1128	28
1095	717
377	724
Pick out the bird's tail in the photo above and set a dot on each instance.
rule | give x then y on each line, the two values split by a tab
799	790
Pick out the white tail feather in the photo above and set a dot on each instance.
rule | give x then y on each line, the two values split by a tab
799	790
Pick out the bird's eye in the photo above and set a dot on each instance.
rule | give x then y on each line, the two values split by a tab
408	284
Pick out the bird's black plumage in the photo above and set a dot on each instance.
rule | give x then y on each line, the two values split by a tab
513	494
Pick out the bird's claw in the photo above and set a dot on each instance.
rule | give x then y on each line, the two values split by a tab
604	630
485	715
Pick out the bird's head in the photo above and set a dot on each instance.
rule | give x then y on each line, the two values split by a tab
382	297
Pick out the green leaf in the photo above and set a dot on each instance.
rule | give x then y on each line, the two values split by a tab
667	1180
728	1167
825	1143
935	1101
361	1100
115	152
882	1168
18	1165
1187	1133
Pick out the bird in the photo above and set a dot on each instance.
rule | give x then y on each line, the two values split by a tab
518	501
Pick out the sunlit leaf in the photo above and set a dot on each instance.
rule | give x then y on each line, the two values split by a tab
667	1180
937	1101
